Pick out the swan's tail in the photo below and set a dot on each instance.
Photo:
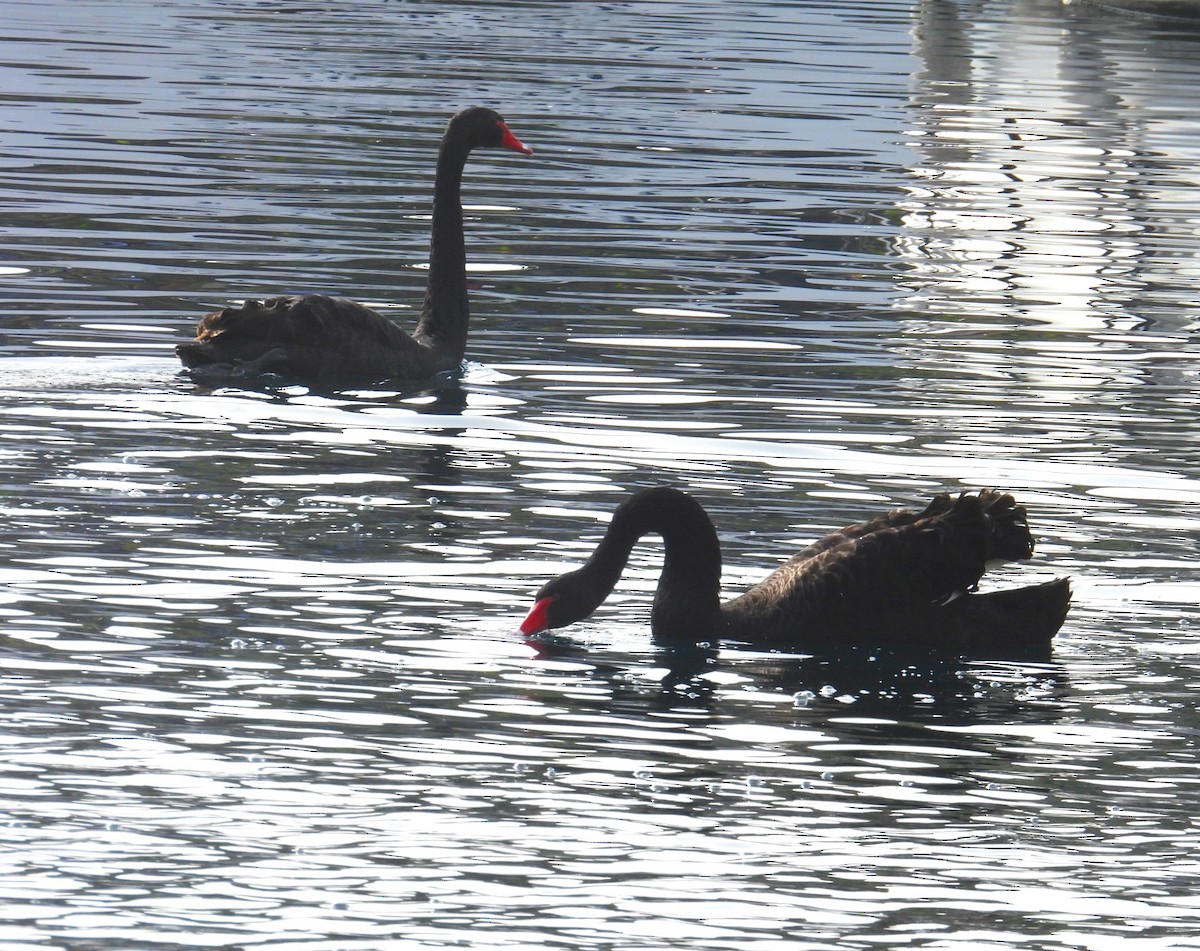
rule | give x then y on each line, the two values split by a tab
237	335
1015	621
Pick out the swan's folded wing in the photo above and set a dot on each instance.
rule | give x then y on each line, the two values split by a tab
889	584
311	337
893	519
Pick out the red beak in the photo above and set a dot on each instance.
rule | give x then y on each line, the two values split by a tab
510	141
536	620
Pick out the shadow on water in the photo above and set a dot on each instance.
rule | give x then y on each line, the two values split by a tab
907	690
444	395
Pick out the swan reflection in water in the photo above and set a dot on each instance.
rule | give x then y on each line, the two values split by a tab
879	695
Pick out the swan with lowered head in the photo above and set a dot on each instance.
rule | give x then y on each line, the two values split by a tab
320	339
904	579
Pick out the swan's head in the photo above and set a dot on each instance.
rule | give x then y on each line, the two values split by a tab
565	600
478	127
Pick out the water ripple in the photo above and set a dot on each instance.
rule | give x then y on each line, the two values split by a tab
261	681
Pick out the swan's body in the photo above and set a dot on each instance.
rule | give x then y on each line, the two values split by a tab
906	578
322	339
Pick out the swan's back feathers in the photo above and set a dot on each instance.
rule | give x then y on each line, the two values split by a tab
895	579
1009	537
312	337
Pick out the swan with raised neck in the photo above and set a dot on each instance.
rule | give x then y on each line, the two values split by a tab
316	338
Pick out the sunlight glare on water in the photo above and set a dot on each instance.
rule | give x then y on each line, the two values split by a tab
262	682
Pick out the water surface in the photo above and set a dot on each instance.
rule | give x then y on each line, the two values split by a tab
262	687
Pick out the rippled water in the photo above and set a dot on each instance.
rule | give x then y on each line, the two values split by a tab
261	685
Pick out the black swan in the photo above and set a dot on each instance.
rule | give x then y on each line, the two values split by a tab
331	339
905	579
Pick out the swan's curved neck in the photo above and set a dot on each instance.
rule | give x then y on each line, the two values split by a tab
445	314
687	601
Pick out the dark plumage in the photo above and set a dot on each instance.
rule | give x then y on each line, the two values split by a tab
904	579
314	338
